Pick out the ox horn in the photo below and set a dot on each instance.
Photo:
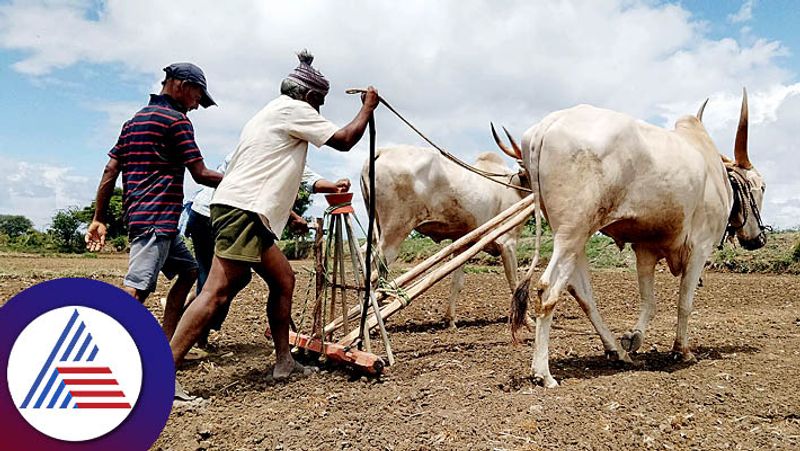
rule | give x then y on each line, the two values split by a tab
514	145
500	144
740	146
700	111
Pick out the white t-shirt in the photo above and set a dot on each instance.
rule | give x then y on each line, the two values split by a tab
202	199
265	171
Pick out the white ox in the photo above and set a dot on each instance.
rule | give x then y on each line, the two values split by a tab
419	189
668	192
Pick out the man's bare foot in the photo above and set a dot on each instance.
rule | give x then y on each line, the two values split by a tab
196	353
285	370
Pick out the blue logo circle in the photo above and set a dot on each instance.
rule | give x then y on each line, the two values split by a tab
87	367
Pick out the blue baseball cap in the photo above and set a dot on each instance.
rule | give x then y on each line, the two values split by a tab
193	74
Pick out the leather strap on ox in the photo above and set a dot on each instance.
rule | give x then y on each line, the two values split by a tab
744	202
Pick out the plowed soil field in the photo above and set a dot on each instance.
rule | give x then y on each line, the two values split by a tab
470	388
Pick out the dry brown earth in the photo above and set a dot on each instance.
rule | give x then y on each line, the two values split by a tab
470	389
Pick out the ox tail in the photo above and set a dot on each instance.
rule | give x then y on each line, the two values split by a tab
531	148
519	304
538	238
519	301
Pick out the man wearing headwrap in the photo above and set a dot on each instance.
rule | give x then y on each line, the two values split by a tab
251	206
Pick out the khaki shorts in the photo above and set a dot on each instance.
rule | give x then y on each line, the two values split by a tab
239	234
151	253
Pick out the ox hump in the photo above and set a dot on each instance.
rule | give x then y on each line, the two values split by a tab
491	161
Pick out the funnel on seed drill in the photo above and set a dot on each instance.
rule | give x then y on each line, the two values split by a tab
341	201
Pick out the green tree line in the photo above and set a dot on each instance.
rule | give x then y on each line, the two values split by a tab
65	232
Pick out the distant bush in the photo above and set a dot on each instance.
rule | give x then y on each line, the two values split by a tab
12	226
119	243
781	254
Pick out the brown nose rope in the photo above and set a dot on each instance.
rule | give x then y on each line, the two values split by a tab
446	154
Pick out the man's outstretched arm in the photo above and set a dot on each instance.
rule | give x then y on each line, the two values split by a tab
326	186
203	175
347	137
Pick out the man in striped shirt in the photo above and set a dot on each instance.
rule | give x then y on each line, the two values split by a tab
152	151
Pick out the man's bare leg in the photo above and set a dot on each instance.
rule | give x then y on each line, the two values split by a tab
277	272
175	299
189	298
219	288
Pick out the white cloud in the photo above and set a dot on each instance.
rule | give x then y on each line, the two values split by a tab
449	66
39	190
744	14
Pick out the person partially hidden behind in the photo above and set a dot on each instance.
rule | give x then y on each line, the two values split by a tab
251	206
153	150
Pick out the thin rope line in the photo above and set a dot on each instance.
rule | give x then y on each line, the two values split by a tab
485	174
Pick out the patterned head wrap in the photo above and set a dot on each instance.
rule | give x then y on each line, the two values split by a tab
307	76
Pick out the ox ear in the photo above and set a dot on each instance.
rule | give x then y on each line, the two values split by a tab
502	146
740	146
700	111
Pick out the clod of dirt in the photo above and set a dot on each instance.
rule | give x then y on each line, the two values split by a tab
204	432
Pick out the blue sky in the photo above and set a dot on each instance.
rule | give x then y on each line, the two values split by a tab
72	71
771	19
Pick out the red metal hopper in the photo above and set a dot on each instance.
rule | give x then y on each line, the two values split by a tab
339	199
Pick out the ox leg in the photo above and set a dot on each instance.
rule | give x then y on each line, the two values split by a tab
509	257
689	280
558	272
455	288
541	353
508	254
387	253
645	269
580	287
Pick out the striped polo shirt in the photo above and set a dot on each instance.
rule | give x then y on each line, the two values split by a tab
153	149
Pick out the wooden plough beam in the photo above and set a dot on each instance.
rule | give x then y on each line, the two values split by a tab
408	286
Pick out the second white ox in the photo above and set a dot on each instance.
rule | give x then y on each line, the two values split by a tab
669	192
419	189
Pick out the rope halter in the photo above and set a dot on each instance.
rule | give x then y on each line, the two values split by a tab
744	204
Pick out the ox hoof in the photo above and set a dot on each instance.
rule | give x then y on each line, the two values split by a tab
683	357
631	341
618	356
546	381
450	324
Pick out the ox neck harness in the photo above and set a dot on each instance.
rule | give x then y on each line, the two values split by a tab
743	202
